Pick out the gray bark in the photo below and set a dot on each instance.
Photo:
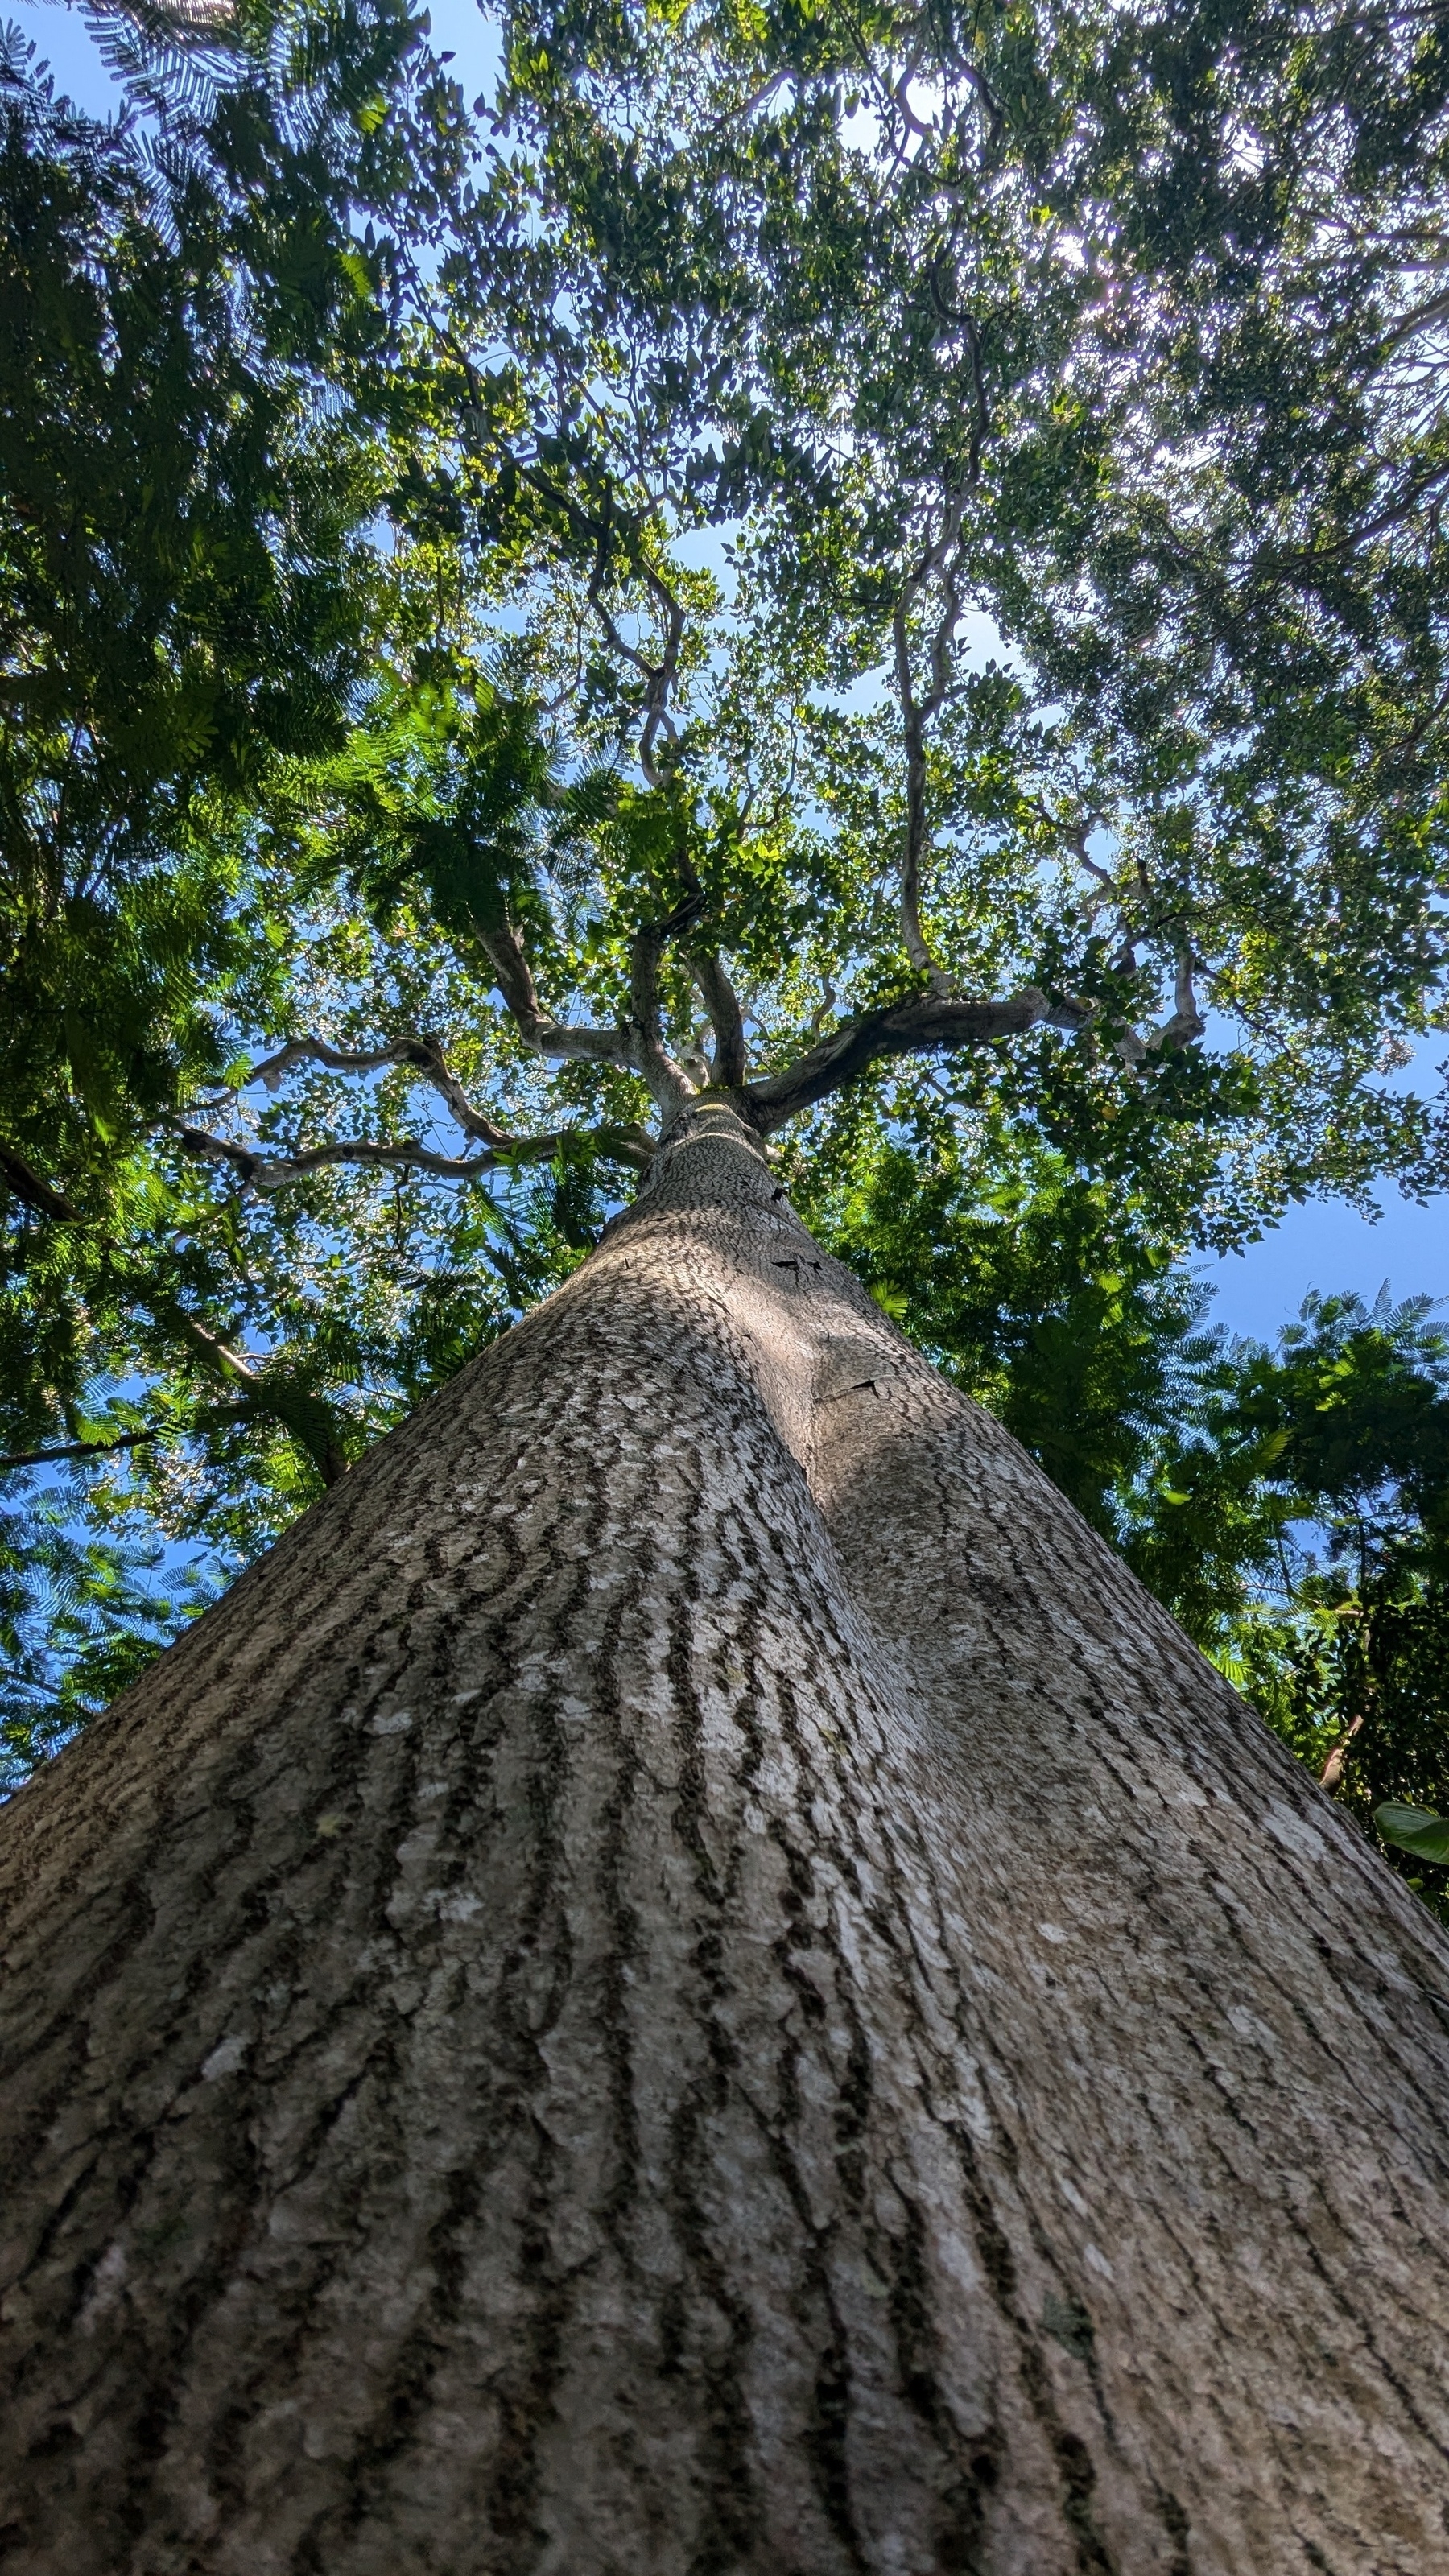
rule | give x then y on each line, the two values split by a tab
690	1979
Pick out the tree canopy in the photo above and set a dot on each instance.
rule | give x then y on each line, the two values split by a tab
883	570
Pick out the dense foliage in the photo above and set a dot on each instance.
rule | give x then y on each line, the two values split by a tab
885	571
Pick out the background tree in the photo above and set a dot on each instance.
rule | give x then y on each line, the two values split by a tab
195	330
1340	1440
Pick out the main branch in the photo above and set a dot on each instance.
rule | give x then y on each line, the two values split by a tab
929	1025
423	1055
604	531
722	1003
667	1080
272	1171
535	1026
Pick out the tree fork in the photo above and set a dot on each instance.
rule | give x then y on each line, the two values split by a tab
689	1976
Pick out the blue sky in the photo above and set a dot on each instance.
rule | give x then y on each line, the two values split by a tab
1329	1246
66	43
64	39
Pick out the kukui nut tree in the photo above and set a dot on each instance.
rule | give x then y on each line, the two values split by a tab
689	1975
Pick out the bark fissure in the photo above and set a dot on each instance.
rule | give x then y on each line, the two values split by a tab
689	1980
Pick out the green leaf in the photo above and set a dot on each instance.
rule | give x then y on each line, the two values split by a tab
1411	1829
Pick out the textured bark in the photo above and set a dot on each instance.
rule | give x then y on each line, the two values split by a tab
690	1979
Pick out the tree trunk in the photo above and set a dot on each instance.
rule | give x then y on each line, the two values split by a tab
691	1980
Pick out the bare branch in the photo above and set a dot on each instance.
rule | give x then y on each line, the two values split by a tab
423	1054
257	1171
515	978
822	1010
1332	1772
271	1171
211	1346
273	1069
1185	1024
1076	836
428	1058
900	100
995	111
659	677
928	1025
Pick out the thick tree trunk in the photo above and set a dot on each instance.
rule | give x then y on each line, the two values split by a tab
690	1980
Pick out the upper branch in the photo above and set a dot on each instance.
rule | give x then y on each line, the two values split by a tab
722	1004
1186	1021
943	557
967	324
1302	564
1185	1024
669	1083
601	529
932	1024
